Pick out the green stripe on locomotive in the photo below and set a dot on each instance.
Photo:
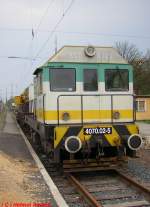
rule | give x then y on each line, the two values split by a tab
81	66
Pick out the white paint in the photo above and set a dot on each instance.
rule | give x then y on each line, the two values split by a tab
97	100
122	120
75	54
90	103
70	103
31	92
122	102
103	91
79	89
105	102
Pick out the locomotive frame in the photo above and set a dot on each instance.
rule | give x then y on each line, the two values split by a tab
57	119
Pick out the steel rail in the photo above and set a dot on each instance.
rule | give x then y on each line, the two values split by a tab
134	183
88	197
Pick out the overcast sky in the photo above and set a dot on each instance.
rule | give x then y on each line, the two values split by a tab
81	22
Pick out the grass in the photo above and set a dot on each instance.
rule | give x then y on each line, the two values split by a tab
147	121
2	118
144	121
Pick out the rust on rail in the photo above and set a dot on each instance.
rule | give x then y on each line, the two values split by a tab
89	198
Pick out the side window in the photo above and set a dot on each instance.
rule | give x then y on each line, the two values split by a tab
90	80
140	106
116	80
39	84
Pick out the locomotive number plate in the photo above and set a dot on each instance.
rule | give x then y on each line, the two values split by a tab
98	130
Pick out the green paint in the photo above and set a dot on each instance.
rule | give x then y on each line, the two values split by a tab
45	74
81	66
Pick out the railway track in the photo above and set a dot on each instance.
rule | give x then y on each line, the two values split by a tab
110	188
99	189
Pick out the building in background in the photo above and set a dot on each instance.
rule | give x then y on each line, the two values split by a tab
143	107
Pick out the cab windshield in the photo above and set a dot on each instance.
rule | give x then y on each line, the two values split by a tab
116	80
62	79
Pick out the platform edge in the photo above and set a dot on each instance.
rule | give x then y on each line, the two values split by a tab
52	187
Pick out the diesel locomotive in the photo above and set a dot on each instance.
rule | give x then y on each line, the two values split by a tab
81	106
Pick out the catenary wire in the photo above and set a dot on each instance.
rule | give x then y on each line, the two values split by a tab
54	29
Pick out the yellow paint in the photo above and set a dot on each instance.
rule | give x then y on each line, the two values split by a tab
51	115
113	139
59	133
40	114
125	114
87	114
75	115
91	114
105	114
145	115
133	129
18	100
84	137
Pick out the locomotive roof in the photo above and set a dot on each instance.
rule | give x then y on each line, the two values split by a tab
76	54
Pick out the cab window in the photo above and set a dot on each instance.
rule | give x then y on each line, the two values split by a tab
62	79
116	80
90	80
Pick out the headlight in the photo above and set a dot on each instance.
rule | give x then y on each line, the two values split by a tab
65	116
116	115
90	51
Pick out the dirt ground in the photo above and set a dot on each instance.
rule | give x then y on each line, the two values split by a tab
15	186
20	178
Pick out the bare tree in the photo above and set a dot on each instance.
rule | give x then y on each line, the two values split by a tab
128	51
146	62
147	55
140	63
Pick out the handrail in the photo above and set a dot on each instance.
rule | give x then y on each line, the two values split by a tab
99	95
